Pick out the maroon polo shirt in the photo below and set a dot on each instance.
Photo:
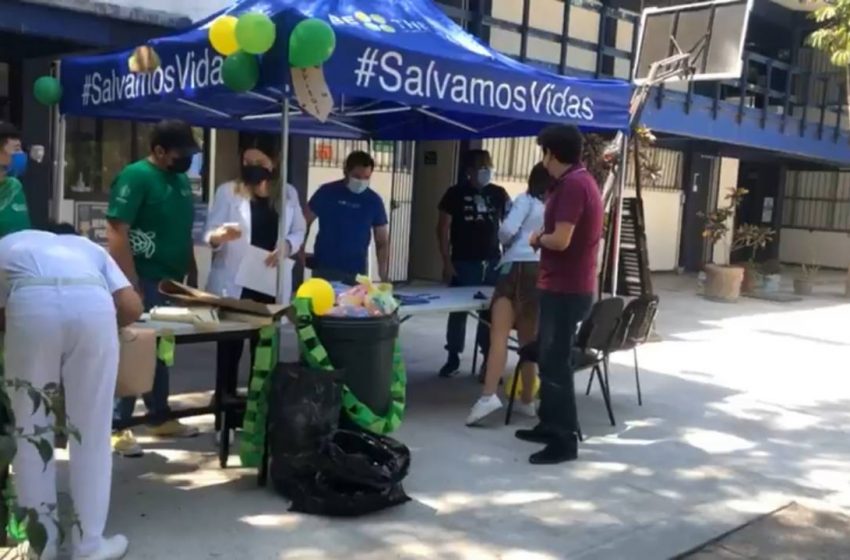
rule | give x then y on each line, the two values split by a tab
575	199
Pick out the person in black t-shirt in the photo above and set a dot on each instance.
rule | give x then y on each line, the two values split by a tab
468	234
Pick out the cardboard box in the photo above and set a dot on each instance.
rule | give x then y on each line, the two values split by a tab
231	308
136	362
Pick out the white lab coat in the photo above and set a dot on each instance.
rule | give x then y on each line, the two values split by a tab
61	325
231	207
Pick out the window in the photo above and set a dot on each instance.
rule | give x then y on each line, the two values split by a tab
817	200
96	150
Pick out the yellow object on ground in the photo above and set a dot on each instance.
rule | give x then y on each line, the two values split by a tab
509	382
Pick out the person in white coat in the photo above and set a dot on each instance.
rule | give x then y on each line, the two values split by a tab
246	213
63	299
515	300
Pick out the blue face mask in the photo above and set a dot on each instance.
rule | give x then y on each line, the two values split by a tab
485	176
357	186
17	164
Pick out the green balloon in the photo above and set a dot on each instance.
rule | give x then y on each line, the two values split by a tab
311	44
255	33
47	90
240	71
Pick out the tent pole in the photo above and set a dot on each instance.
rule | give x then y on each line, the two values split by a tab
284	181
618	215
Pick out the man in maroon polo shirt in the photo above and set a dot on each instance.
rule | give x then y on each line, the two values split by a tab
569	247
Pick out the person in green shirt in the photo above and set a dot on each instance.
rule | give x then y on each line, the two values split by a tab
149	233
14	213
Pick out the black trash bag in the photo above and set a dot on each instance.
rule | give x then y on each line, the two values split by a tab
324	495
360	473
368	459
304	408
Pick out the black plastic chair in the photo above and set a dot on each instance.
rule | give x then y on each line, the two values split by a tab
597	338
636	326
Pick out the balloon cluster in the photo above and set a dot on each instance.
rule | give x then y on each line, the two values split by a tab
239	40
47	90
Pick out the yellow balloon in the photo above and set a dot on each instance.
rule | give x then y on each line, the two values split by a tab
223	35
509	382
320	293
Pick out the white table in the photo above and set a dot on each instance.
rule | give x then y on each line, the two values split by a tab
446	300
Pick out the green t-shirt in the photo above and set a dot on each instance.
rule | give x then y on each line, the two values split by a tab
14	214
159	209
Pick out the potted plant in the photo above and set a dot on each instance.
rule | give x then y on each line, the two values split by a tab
722	282
804	282
753	237
23	524
771	271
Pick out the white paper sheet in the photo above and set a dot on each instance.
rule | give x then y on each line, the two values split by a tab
255	275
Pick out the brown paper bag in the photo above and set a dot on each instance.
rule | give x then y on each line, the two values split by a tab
137	361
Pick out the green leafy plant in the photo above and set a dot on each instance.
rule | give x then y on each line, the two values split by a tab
747	236
752	237
833	37
24	524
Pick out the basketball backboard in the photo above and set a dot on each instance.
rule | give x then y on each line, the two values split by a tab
711	34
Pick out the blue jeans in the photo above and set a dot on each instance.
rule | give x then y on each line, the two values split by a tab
157	400
470	273
560	315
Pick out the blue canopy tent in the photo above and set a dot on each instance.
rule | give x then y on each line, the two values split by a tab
402	70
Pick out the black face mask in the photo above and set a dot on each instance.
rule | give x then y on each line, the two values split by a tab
255	174
180	164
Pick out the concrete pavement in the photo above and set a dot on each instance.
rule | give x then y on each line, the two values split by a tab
746	408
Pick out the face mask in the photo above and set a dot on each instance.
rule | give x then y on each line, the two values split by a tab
255	174
180	164
485	175
357	186
17	164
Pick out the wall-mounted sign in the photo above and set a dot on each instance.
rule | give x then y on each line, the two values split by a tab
90	220
430	157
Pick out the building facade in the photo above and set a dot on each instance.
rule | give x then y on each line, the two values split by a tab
781	130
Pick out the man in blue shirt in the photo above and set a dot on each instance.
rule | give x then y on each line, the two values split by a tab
349	213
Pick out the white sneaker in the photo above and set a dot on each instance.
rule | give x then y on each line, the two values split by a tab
483	407
529	409
112	548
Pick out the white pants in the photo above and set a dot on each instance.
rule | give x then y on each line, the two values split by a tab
67	334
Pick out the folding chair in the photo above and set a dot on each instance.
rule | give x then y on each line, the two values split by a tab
596	339
636	324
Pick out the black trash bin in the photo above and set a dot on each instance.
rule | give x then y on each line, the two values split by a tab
363	347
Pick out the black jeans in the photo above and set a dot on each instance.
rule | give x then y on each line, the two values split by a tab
470	273
229	352
560	315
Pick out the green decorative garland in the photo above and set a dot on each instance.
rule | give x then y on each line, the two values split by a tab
317	357
253	439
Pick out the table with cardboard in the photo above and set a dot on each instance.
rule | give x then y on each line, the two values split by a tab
239	320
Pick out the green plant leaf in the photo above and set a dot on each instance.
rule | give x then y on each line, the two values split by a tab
35	397
8	449
45	451
37	535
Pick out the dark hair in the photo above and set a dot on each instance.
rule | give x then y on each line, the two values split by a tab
475	159
61	228
564	142
359	158
539	181
173	135
8	131
269	144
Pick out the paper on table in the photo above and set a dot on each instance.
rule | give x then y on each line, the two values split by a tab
255	275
